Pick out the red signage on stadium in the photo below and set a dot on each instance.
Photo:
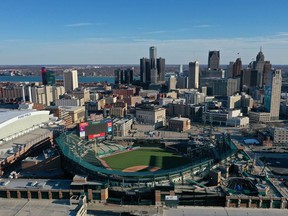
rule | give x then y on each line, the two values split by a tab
84	124
93	136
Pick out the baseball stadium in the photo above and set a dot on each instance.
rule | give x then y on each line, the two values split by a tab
137	164
125	166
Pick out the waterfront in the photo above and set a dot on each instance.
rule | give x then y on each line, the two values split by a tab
39	79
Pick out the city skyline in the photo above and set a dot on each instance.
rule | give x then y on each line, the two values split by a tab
114	32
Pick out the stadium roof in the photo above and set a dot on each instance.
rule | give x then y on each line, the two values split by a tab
6	114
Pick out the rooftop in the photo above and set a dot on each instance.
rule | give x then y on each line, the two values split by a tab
150	107
180	118
251	141
46	184
6	114
23	207
43	156
120	121
71	108
7	148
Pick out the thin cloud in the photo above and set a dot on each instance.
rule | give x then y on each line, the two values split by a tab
156	32
98	50
82	24
281	34
144	40
203	26
16	40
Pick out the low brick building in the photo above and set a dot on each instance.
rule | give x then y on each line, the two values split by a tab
179	124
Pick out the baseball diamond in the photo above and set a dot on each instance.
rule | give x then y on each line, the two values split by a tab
148	159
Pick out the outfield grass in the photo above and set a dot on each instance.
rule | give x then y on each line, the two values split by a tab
146	157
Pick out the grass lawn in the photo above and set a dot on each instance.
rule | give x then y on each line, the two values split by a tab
146	157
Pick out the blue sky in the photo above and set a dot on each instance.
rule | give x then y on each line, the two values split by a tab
121	31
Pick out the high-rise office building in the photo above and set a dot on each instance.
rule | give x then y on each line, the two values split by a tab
45	94
123	76
118	76
153	57
266	69
70	80
253	78
249	78
128	75
43	74
237	68
161	70
180	68
182	82
273	93
229	70
145	68
262	66
172	81
48	77
153	76
233	86
214	60
245	78
152	70
193	75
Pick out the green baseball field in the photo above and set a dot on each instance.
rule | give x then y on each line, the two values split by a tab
145	159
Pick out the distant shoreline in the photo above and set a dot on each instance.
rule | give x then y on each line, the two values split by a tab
81	79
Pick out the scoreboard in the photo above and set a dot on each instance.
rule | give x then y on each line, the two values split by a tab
96	129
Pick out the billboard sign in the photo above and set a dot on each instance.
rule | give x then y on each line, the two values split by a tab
95	129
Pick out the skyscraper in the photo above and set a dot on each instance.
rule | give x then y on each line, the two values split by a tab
145	67
118	76
161	70
153	57
253	78
262	66
266	69
273	93
48	77
43	74
233	86
229	70
193	75
237	68
180	68
153	75
70	80
152	70
172	81
128	75
123	76
213	60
